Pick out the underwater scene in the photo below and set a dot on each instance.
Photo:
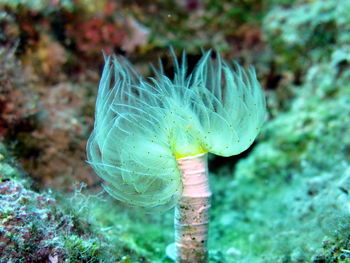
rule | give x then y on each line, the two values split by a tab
189	131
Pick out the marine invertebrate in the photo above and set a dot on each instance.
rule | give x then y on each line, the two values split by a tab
151	137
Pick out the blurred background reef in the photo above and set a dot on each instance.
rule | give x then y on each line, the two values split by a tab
286	200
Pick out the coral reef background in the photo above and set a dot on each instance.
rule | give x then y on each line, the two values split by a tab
286	200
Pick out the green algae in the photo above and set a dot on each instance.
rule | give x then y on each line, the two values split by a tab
37	227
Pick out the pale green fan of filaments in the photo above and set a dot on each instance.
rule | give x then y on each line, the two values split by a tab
142	126
230	105
129	147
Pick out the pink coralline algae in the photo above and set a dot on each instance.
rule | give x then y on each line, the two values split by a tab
28	226
97	34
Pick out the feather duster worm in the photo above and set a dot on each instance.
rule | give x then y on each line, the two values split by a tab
151	137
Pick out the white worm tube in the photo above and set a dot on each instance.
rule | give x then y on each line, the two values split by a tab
192	211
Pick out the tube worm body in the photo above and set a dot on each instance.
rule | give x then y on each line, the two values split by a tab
151	137
192	211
